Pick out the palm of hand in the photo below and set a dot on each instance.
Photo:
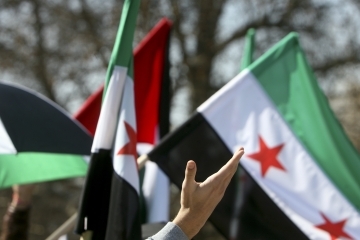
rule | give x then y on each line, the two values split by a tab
198	200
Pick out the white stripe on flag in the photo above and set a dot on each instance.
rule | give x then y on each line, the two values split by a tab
106	127
6	145
155	188
125	165
156	192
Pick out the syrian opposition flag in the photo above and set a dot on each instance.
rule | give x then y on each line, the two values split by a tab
303	178
110	201
247	57
39	141
152	105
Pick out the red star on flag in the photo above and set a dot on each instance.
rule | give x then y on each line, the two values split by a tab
130	147
334	229
267	157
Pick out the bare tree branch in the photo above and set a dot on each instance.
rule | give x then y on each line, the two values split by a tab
334	63
40	66
88	18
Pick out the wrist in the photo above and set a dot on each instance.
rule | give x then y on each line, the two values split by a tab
189	224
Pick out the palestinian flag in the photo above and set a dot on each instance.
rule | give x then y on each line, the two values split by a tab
89	112
110	201
152	104
39	141
302	179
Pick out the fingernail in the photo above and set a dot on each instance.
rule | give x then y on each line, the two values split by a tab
191	165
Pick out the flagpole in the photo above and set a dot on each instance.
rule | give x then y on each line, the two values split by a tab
64	228
142	160
70	223
86	235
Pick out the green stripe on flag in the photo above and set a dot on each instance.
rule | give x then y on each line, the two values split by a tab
39	167
249	47
305	108
122	50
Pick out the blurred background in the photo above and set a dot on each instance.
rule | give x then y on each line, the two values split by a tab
61	49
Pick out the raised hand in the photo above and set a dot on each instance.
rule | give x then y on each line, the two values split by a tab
198	200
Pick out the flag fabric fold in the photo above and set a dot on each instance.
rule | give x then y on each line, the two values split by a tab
110	201
249	47
293	148
39	141
152	101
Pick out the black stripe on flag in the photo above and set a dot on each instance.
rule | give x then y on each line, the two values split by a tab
196	140
109	203
35	124
95	196
261	219
124	217
165	96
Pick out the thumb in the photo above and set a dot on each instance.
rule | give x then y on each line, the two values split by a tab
190	172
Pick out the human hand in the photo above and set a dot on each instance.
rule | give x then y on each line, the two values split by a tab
198	200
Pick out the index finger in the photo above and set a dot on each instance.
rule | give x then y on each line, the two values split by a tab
229	169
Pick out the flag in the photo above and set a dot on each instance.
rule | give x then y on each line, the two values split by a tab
302	171
89	112
152	105
39	141
110	200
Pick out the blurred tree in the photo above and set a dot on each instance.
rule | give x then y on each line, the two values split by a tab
61	48
204	36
